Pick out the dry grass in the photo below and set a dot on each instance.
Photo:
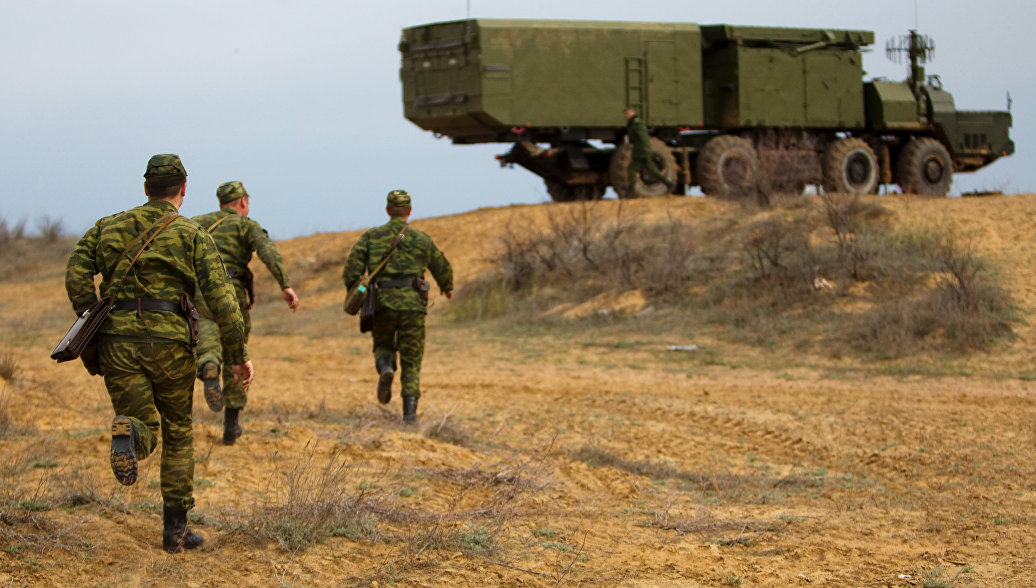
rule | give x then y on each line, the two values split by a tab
783	272
8	365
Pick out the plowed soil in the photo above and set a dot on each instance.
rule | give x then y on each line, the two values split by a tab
585	452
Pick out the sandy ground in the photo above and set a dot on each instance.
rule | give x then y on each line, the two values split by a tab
544	456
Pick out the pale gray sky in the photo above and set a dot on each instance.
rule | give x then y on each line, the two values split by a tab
300	99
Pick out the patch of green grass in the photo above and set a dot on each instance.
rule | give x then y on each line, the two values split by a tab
545	532
293	535
202	483
45	463
406	492
31	505
733	580
556	546
473	539
357	528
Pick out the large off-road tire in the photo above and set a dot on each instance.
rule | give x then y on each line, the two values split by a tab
617	168
728	167
924	167
562	192
850	167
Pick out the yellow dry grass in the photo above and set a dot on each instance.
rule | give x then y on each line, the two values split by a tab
543	457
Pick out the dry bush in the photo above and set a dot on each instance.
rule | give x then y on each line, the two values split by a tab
8	365
316	501
773	276
9	234
581	253
966	310
50	229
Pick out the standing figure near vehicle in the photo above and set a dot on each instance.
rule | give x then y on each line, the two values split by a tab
401	294
640	154
151	260
236	236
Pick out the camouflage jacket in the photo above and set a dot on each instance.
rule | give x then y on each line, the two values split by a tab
237	237
415	254
181	256
638	137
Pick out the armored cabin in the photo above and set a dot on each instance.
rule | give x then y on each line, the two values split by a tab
730	107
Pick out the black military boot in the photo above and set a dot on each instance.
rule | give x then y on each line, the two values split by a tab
385	373
209	374
410	409
176	536
123	455
231	428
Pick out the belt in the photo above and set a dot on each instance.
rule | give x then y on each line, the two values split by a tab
148	304
396	284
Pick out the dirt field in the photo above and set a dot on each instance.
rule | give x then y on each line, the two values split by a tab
582	454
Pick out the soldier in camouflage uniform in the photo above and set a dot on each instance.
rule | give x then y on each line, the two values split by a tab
640	154
144	347
401	308
236	237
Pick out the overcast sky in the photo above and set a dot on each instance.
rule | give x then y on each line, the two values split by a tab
300	99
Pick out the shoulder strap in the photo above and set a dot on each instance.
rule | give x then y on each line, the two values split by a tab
385	258
169	218
216	224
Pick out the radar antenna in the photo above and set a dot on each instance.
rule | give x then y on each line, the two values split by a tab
919	49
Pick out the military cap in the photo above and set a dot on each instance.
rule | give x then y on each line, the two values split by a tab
165	170
230	191
399	198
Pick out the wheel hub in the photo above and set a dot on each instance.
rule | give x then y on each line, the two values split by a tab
933	170
734	171
857	170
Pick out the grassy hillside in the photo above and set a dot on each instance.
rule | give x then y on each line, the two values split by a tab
716	425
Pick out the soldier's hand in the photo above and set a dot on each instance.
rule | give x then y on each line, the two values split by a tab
291	298
243	373
448	294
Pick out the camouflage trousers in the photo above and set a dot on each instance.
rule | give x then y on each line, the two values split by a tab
401	331
209	350
647	164
153	384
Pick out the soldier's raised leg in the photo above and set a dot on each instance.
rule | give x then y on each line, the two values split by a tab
384	339
135	427
210	361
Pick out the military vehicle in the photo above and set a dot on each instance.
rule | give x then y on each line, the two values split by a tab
732	109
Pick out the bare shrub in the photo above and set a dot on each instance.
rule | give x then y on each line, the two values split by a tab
317	501
852	221
8	365
967	309
778	249
10	233
581	253
50	229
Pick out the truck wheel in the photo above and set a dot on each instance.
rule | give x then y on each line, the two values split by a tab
850	167
924	167
663	157
727	167
562	192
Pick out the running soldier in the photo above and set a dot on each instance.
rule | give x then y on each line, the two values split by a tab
145	349
236	237
402	296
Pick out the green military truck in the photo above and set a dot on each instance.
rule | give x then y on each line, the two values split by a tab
732	109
